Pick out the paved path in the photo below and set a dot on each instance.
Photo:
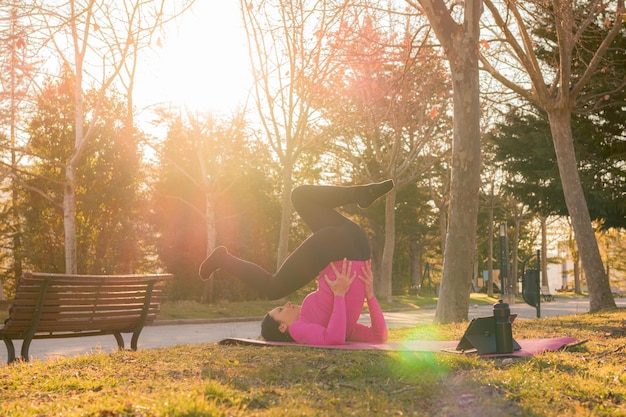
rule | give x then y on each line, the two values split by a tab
171	334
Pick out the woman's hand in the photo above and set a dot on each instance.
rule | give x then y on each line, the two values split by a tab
343	280
368	279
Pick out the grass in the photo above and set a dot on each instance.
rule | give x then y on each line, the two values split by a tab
214	380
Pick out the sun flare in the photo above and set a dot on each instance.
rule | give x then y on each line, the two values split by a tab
202	63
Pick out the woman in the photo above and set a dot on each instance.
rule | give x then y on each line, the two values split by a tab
336	252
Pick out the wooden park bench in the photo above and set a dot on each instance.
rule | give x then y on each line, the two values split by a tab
546	294
59	306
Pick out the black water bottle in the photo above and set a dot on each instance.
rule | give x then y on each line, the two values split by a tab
504	332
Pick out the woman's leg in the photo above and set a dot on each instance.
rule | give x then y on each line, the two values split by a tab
334	238
303	265
316	203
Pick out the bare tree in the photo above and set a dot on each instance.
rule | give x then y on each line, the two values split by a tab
439	187
95	40
460	44
513	50
492	199
202	150
518	213
18	68
387	102
288	51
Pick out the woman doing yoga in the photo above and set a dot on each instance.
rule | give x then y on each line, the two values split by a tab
336	253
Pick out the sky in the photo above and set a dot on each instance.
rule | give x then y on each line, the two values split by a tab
202	64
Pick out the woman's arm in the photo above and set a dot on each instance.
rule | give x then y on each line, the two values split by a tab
377	332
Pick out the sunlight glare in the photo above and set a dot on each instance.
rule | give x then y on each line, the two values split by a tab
203	64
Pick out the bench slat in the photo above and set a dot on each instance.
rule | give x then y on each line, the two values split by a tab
71	289
50	321
69	313
31	297
23	296
59	305
85	299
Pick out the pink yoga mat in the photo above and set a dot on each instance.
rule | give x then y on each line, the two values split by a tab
529	347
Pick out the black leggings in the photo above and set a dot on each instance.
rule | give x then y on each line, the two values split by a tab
334	238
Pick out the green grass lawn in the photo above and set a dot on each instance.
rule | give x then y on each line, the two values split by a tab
214	380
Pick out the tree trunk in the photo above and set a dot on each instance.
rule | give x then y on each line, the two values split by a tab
415	268
577	280
460	43
69	220
443	227
208	293
386	287
285	218
600	297
453	304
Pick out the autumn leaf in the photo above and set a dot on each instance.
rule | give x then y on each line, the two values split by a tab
484	44
433	113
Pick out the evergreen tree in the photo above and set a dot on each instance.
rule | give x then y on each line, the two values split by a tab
523	145
560	87
209	168
107	199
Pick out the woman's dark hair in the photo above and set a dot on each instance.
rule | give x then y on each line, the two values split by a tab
271	332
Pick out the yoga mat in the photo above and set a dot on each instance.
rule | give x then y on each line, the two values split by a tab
529	347
419	346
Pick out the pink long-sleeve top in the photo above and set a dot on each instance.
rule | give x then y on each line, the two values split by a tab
327	319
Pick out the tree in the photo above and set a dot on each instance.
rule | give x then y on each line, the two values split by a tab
523	147
439	186
96	52
385	103
613	244
558	91
417	238
211	189
17	69
519	214
460	44
107	198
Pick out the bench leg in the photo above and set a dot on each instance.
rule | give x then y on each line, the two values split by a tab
135	338
120	340
10	349
25	347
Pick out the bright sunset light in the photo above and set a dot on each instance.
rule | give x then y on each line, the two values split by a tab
202	64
